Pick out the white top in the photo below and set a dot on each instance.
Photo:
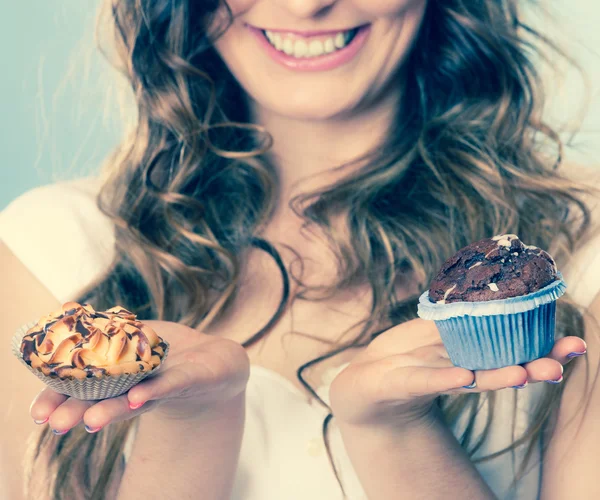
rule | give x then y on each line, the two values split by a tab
283	455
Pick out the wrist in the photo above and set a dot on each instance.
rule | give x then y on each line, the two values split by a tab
219	412
397	419
176	440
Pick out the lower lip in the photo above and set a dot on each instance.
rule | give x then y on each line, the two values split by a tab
319	63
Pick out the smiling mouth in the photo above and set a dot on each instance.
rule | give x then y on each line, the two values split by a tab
301	47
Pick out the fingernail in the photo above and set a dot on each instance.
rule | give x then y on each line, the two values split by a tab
522	386
135	406
59	433
557	381
41	422
92	430
471	386
575	354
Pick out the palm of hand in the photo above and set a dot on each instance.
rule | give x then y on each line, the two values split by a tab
200	372
405	368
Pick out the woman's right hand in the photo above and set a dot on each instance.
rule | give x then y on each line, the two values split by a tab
201	374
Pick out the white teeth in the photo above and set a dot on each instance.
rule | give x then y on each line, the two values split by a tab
301	48
316	48
288	46
329	45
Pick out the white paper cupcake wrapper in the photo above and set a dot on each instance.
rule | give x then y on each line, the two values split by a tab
89	388
497	333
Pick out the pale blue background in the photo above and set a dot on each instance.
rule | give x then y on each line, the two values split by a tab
57	106
58	111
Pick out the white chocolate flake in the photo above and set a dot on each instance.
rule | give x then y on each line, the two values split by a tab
493	287
504	240
475	265
505	237
449	291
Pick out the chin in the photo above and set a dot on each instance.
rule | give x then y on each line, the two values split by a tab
306	105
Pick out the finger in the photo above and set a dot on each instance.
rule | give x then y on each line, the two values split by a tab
544	370
417	381
68	415
568	348
44	404
493	380
110	411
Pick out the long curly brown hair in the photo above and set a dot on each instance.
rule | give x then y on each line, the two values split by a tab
468	156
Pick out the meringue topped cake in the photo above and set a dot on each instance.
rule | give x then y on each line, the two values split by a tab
79	342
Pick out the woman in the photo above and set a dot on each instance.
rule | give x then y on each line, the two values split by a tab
299	171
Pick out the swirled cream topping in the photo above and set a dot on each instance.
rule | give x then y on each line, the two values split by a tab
79	342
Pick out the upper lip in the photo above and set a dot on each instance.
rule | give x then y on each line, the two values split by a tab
306	33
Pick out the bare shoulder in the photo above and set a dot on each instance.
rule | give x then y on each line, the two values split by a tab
60	234
22	299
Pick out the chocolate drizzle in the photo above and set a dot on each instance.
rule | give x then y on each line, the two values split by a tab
79	328
28	347
48	325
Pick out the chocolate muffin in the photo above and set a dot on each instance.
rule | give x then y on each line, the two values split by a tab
492	269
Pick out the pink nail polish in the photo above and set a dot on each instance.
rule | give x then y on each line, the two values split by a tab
41	422
135	406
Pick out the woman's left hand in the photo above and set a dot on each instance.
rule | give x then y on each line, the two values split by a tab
398	376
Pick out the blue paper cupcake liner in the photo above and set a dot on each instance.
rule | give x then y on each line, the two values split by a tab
496	333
